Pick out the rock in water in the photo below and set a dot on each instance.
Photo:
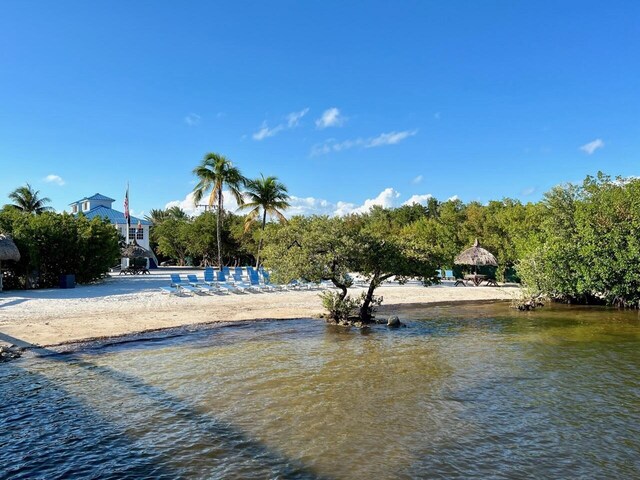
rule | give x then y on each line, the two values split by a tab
393	321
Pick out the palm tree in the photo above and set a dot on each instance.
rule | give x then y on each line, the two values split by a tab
214	172
157	216
267	194
27	200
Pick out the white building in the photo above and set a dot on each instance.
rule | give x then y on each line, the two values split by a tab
100	206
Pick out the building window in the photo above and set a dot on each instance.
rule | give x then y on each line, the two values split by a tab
75	209
85	206
137	233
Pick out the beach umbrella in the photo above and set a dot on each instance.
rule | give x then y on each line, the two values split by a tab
133	250
8	251
476	256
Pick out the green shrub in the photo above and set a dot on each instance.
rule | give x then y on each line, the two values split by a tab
340	309
52	244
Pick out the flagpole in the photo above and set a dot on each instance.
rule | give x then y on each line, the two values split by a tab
126	212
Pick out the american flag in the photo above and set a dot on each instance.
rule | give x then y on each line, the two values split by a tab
126	208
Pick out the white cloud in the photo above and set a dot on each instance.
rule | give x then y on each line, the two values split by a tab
453	199
331	145
136	213
309	206
330	118
188	205
418	199
266	132
390	138
192	119
417	179
591	147
528	191
54	179
388	198
294	117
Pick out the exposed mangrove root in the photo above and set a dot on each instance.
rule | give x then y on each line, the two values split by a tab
528	303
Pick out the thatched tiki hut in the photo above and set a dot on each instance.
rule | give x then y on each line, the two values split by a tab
476	256
8	251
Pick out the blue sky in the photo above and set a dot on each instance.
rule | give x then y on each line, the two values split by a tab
349	105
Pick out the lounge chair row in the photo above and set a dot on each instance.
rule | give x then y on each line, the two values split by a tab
218	282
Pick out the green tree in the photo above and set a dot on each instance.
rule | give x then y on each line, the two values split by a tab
28	200
269	196
174	237
590	247
322	248
214	173
53	244
157	216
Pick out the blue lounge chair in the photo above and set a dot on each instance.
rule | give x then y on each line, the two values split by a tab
448	275
223	283
237	272
254	280
176	281
170	290
240	284
194	282
266	278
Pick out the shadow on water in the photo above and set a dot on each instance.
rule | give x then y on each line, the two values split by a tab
50	432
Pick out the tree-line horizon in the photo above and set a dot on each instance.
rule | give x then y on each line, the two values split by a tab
579	243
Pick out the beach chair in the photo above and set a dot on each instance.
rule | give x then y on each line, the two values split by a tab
448	275
439	273
210	279
239	283
170	290
254	281
176	281
300	284
194	282
237	273
222	282
266	279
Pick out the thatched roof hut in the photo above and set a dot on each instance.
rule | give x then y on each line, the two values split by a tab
133	250
8	251
476	256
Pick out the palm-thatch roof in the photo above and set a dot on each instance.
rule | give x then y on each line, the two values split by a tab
8	249
477	256
133	250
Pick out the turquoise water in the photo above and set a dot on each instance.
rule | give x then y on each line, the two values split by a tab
473	391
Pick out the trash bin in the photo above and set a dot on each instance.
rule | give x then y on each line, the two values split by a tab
67	281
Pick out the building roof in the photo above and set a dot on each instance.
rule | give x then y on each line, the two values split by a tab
97	196
113	216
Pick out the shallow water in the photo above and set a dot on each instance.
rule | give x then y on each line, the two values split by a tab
473	391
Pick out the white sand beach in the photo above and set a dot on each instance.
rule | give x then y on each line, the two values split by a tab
124	305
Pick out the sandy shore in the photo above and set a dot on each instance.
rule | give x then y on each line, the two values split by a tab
126	305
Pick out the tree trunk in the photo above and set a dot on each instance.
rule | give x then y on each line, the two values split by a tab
218	227
342	287
264	222
365	314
